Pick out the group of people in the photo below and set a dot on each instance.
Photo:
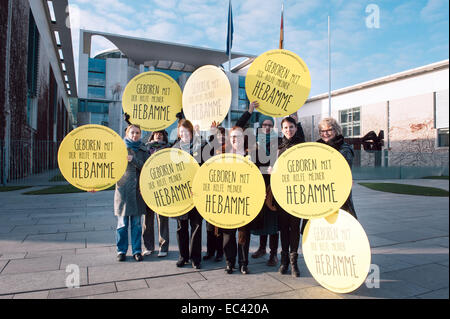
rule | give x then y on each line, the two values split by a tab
271	223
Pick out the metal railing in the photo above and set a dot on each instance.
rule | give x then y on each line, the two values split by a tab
31	157
27	158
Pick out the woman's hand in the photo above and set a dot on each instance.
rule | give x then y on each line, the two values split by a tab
254	105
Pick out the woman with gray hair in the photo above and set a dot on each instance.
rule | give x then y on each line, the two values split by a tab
331	134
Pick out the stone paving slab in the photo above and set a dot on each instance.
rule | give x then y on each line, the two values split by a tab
88	260
430	276
134	284
32	295
31	265
45	280
173	281
181	291
237	286
305	293
82	291
436	294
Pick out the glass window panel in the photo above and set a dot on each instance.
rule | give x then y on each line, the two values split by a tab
97	107
345	131
242	94
356	130
235	115
443	140
99	118
343	116
96	92
82	106
96	79
97	65
243	104
242	81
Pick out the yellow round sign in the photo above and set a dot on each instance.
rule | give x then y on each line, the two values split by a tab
92	157
311	180
152	99
280	81
206	97
166	182
337	252
229	191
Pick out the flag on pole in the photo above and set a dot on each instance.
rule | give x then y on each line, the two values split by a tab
282	28
230	30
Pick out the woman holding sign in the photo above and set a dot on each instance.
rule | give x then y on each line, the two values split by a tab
237	143
190	247
157	141
128	203
331	134
289	225
214	238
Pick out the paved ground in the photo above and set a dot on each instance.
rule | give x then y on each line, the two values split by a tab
41	235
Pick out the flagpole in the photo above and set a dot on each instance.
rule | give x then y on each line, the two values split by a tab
329	70
229	54
282	27
229	36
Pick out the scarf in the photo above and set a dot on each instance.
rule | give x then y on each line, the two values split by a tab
336	142
287	143
156	146
131	144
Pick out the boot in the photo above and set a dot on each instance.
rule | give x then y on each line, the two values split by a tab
273	260
259	253
284	263
295	272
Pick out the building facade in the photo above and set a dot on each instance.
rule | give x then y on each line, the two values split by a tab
409	108
38	86
103	77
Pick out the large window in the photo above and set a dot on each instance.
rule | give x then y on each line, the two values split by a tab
441	117
96	92
350	120
442	137
99	118
97	78
243	100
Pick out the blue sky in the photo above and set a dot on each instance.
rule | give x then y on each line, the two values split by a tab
410	33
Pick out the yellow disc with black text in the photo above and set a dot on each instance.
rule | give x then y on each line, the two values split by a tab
311	180
280	81
152	99
337	252
92	157
166	182
206	97
229	191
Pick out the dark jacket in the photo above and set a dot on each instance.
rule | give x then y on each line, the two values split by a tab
348	153
195	149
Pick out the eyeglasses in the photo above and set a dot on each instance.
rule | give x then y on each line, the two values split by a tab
268	125
329	131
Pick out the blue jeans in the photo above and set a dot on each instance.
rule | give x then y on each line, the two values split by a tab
122	234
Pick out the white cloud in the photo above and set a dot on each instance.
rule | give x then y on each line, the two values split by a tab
435	10
166	4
